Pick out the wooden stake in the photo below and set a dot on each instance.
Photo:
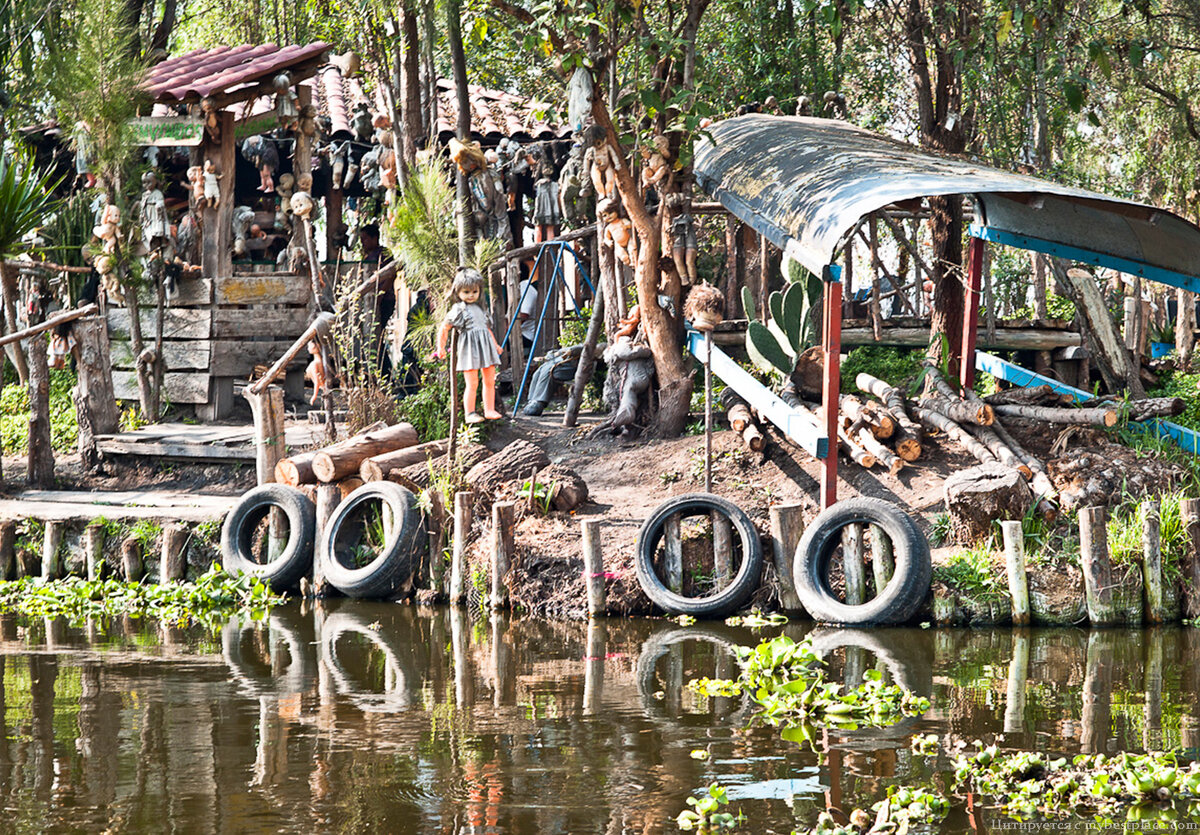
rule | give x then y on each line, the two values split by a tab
267	408
708	400
8	539
1014	559
593	566
787	526
722	548
1190	565
1097	566
1152	564
458	560
852	564
51	540
131	559
883	558
329	496
673	553
437	539
502	551
173	565
452	445
93	550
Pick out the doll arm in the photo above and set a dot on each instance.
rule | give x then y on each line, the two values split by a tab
443	335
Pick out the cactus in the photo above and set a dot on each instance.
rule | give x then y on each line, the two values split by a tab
789	325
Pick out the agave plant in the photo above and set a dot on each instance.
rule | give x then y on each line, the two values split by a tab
26	201
789	326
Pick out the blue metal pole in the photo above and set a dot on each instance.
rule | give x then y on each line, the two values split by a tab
508	332
538	332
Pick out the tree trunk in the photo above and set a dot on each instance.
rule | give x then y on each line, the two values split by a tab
41	452
513	462
141	364
16	352
410	86
344	459
1185	327
458	63
946	320
978	496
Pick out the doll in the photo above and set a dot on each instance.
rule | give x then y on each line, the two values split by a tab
195	175
261	153
152	211
243	216
618	232
316	371
601	161
488	208
573	190
212	185
683	237
477	347
108	228
654	164
545	203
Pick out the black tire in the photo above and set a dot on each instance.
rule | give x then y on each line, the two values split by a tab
285	571
723	602
658	644
252	680
345	623
895	603
392	567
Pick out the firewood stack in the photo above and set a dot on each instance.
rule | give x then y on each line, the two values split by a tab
743	421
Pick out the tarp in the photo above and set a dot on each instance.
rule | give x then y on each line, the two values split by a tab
806	183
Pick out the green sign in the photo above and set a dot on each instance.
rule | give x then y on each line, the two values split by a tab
167	131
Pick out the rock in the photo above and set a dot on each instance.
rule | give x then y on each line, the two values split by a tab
978	496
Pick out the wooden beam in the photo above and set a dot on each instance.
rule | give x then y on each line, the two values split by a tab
52	322
318	329
831	387
971	302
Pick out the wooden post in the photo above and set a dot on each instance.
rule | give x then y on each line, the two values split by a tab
216	252
51	541
502	551
1152	686
93	551
329	496
722	530
1190	565
587	361
131	559
832	382
437	539
40	461
787	526
852	564
460	647
1014	559
883	558
593	566
1096	716
1097	567
267	409
593	673
1152	586
8	539
173	565
458	560
708	409
1018	675
95	405
971	300
673	553
452	447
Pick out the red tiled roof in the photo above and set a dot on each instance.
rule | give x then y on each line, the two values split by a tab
203	72
495	114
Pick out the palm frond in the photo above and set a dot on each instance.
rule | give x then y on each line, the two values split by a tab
26	201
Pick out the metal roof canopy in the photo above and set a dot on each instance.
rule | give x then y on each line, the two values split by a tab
806	184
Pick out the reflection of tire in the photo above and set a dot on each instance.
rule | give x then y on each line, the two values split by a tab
296	677
825	641
397	670
658	644
388	571
726	600
896	602
283	572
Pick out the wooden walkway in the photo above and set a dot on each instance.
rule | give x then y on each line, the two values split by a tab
66	505
200	443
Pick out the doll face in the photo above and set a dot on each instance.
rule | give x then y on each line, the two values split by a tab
470	295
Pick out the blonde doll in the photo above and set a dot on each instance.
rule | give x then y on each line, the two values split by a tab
477	347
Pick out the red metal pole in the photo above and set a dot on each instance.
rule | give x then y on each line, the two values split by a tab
832	345
971	302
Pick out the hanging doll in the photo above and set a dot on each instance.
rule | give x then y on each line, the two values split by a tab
618	232
212	185
601	161
489	211
683	237
477	347
545	202
654	170
573	190
152	211
316	371
195	175
261	153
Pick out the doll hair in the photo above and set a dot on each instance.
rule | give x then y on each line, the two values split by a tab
467	278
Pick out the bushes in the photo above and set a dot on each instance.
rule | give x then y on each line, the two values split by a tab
14	415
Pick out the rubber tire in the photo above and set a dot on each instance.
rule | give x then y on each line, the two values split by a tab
904	593
284	572
724	602
297	677
384	575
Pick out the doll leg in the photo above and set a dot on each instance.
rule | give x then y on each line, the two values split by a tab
489	393
470	391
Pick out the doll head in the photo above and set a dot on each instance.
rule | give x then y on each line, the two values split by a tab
660	144
149	181
607	209
468	156
597	136
467	286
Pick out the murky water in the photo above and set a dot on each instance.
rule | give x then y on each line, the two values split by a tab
386	718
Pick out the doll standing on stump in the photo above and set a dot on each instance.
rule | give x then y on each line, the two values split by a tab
477	347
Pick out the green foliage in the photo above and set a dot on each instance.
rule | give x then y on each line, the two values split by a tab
146	532
705	814
789	326
14	413
1126	526
543	494
423	235
972	572
209	600
574	328
1057	307
26	200
359	342
898	367
428	409
939	530
1187	386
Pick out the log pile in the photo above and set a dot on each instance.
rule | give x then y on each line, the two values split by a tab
743	421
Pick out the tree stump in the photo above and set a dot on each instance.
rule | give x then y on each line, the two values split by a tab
568	490
509	464
978	496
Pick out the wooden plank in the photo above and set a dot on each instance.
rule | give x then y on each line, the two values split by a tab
271	288
796	425
178	322
54	505
192	354
286	322
190	452
180	387
237	358
192	292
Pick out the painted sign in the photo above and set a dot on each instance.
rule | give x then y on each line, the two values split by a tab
167	131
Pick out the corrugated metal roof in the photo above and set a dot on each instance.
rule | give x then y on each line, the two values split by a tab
203	72
806	183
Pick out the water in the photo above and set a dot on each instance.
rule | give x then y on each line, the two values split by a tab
386	718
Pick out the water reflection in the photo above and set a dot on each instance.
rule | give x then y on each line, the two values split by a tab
374	717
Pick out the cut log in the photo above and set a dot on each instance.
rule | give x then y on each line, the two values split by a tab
907	439
296	470
881	424
348	485
883	455
1052	414
809	373
509	464
739	417
978	496
1156	407
855	452
345	458
1112	357
941	423
378	467
998	448
567	489
1043	488
959	410
420	474
1031	396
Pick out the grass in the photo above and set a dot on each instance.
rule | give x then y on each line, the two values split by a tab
1125	532
895	366
14	415
972	572
1187	386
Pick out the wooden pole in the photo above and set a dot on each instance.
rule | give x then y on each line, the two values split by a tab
1152	563
319	329
593	673
1014	560
853	566
93	550
883	558
452	447
971	300
267	408
49	324
173	565
437	539
722	548
1097	566
587	360
458	560
131	559
51	542
831	385
787	526
1018	675
1096	716
502	550
1190	565
329	496
708	410
593	566
8	539
40	461
673	553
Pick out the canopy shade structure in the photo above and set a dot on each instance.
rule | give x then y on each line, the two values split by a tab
806	183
